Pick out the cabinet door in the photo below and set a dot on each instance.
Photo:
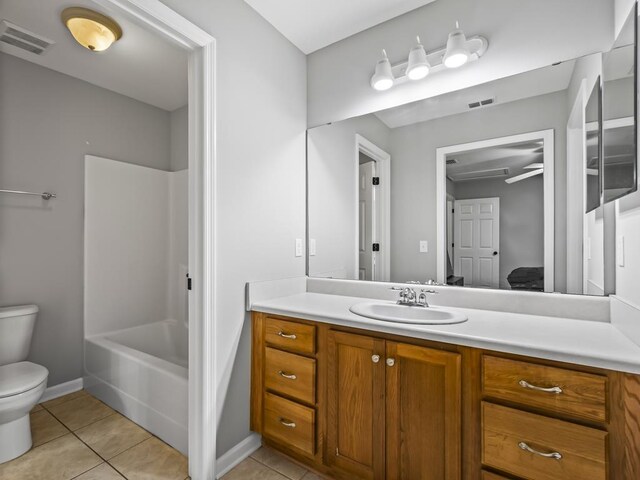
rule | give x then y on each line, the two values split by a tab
423	404
355	405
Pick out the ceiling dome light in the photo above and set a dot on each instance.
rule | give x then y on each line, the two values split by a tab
91	29
418	66
457	53
383	78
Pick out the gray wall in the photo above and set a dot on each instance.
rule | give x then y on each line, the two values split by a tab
260	151
48	122
179	139
521	219
413	175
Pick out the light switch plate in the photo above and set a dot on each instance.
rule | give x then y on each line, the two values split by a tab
620	252
298	247
312	247
424	246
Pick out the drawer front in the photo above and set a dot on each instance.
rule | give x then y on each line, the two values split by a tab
492	476
578	394
293	336
522	443
289	423
290	374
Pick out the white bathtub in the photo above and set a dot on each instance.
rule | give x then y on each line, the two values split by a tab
142	372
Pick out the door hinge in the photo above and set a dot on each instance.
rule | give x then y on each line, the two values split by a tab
189	282
375	180
376	247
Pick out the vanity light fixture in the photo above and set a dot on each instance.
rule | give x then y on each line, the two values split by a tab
420	63
91	29
383	77
457	53
418	66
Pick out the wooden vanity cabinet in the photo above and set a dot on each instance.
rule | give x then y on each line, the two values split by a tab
355	404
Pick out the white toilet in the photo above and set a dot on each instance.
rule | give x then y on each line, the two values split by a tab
21	383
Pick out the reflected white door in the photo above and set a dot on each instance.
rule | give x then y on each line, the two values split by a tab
366	269
476	250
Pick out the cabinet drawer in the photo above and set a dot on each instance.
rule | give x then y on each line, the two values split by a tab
492	476
293	336
290	374
508	434
581	395
289	423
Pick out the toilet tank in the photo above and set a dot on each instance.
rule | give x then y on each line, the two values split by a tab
16	328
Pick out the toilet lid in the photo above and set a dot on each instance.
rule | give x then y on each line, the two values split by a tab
16	378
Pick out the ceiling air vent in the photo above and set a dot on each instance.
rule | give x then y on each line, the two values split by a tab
482	103
22	38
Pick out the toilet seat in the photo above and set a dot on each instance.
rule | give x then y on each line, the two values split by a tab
20	377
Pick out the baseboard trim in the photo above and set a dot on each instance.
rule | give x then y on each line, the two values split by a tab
237	454
62	389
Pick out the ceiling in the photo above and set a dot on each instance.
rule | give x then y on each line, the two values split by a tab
471	164
517	87
141	65
313	24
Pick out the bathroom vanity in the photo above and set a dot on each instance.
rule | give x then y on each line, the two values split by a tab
356	398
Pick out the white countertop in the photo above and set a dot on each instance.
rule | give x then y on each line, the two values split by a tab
583	342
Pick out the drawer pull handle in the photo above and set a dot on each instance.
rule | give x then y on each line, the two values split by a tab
290	336
391	362
375	358
554	455
525	384
287	423
289	376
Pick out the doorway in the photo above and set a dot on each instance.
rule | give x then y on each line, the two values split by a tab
373	235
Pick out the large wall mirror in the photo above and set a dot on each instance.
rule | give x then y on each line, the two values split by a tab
503	185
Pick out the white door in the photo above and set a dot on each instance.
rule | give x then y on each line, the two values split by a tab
366	256
476	250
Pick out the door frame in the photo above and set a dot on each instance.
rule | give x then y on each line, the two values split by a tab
381	205
549	197
201	47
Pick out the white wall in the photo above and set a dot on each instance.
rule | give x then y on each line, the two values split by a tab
522	35
48	122
621	13
135	239
261	122
332	193
628	228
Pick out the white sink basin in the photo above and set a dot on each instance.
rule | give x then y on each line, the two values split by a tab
392	312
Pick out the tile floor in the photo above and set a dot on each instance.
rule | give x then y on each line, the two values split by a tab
79	437
268	464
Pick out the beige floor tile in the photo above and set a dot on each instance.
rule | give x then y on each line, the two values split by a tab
251	469
280	463
60	459
151	459
64	398
44	427
112	435
37	408
101	472
80	412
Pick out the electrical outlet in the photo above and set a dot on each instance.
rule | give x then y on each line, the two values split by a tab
298	247
620	252
424	246
312	247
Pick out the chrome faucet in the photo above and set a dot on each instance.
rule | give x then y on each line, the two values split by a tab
409	298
